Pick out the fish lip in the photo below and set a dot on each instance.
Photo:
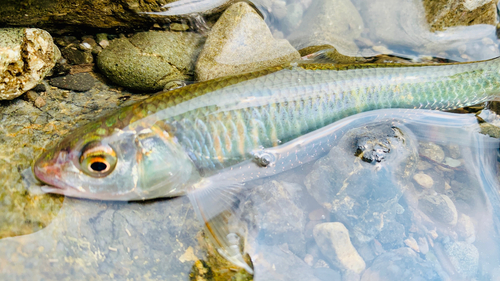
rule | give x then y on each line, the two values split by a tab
40	171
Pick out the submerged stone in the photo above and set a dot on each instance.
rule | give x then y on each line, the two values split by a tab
241	42
334	242
329	22
362	178
26	56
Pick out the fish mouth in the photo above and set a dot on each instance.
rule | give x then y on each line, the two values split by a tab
48	171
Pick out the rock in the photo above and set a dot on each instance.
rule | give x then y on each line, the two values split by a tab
464	257
329	22
278	215
400	264
79	82
432	151
347	184
424	180
424	165
149	60
439	207
334	242
465	228
240	42
452	162
454	150
62	16
442	14
26	56
76	56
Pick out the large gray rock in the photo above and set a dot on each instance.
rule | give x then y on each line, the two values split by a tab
26	56
241	42
149	60
329	22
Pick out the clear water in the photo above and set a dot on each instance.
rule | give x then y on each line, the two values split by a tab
399	224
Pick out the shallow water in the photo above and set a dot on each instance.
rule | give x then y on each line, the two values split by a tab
391	217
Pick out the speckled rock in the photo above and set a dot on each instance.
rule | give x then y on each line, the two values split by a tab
432	151
149	60
329	22
464	257
441	14
26	56
439	207
334	242
241	42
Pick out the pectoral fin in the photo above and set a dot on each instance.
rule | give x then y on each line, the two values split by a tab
214	203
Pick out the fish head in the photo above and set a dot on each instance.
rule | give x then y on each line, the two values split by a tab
114	164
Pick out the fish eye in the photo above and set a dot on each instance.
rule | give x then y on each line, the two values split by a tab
97	159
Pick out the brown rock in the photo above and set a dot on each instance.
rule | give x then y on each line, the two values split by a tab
441	14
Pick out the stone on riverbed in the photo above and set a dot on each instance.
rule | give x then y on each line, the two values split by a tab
241	42
26	56
334	242
149	60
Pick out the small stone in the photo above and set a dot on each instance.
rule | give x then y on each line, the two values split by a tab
179	27
26	56
309	259
412	243
465	228
424	180
454	150
439	207
31	95
241	42
102	40
452	162
40	102
432	151
79	82
334	242
75	55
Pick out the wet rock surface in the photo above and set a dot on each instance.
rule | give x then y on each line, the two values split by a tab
329	22
241	42
149	60
26	56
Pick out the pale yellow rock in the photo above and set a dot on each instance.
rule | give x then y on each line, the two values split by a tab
424	180
334	242
241	42
26	56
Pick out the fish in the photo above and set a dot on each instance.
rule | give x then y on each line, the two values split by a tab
206	139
